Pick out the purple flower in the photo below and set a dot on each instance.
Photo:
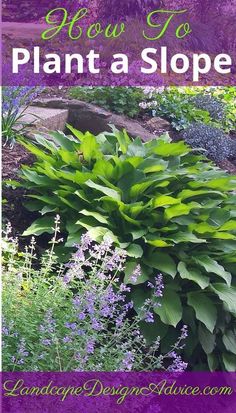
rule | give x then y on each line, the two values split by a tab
127	362
85	241
96	325
178	365
81	316
159	286
46	342
71	326
149	318
90	347
66	339
124	288
136	274
184	332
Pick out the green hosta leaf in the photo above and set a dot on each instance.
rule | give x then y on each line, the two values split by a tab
37	179
164	200
228	226
203	228
130	268
185	237
162	262
79	135
211	265
170	311
139	295
138	189
128	218
218	217
193	275
226	294
138	233
217	183
98	233
40	154
105	190
73	239
47	209
104	168
136	148
90	148
66	142
134	250
171	149
99	217
81	194
158	329
122	138
40	226
87	223
229	361
69	158
204	308
207	339
223	235
213	362
229	340
46	143
158	243
177	210
151	165
50	200
187	193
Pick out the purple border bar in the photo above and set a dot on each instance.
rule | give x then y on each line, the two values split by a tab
99	392
205	38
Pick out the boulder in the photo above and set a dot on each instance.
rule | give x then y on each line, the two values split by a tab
88	117
37	117
159	125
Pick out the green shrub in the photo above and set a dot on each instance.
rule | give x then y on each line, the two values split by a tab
122	100
171	210
187	105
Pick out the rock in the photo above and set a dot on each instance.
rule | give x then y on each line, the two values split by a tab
88	117
37	117
159	125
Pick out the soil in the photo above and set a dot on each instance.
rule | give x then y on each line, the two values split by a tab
13	209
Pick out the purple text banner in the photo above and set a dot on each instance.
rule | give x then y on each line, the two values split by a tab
118	392
118	43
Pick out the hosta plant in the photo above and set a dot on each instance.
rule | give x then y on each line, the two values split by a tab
172	210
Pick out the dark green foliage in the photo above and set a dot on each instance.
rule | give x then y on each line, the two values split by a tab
122	100
171	210
217	145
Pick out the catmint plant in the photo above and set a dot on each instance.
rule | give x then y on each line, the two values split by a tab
78	317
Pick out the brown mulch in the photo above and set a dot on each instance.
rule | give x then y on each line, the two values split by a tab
13	209
13	158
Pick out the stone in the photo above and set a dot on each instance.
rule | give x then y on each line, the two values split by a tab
88	117
159	125
38	117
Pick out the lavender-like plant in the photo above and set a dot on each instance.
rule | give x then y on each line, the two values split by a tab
79	317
